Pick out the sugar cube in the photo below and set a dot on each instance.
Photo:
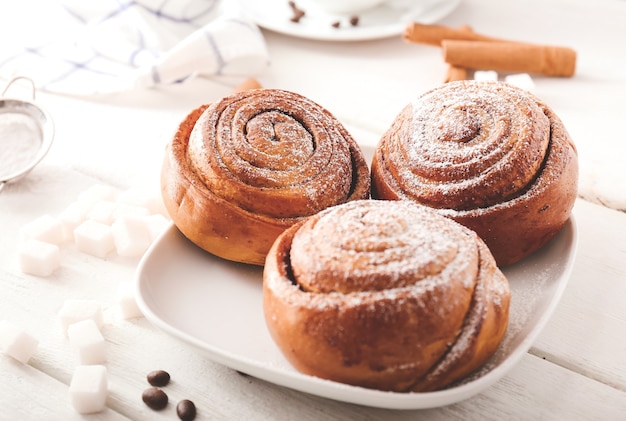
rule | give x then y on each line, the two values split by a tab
44	228
71	217
103	211
96	193
142	197
86	338
127	302
89	388
75	310
39	258
521	80
131	236
156	224
16	343
125	209
486	75
94	238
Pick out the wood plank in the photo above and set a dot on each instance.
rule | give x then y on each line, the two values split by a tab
586	332
29	394
221	393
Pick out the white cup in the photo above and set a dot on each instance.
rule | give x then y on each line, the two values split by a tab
347	6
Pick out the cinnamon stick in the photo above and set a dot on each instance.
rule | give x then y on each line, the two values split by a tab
435	34
250	83
455	73
510	57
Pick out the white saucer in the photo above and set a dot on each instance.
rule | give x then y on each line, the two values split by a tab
383	21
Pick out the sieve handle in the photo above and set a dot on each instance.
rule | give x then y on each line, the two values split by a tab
15	79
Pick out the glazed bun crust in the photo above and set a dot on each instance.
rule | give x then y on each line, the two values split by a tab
240	171
488	155
384	295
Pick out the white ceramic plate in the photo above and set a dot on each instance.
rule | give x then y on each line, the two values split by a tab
383	21
216	306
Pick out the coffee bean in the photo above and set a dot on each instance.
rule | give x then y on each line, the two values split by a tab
158	378
297	12
155	398
186	410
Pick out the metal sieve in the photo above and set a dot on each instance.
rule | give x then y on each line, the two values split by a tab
26	133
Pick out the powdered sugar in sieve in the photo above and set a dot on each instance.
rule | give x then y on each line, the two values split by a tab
26	133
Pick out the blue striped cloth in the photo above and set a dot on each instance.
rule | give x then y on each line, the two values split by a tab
103	46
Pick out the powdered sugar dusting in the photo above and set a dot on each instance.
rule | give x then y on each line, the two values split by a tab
491	295
468	145
349	275
525	296
20	142
377	246
384	258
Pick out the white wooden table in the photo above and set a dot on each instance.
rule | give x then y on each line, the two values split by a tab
576	368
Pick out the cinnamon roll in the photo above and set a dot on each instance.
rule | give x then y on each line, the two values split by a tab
388	295
486	154
240	171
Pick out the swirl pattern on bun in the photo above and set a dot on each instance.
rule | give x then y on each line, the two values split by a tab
491	156
241	170
387	295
